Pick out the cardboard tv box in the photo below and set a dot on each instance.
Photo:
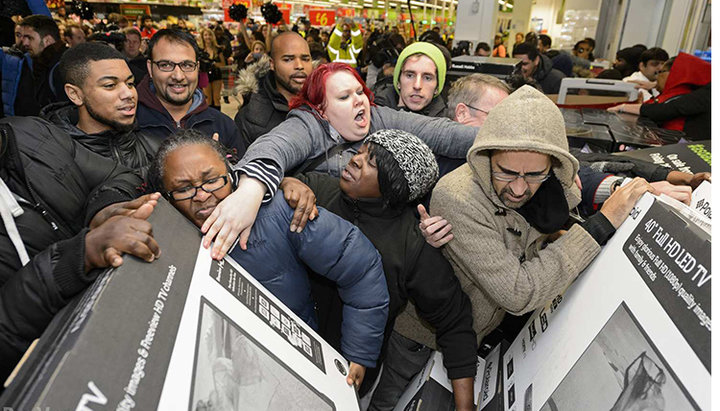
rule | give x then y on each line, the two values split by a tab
182	333
431	390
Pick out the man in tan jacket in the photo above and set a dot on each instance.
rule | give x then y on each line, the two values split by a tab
509	207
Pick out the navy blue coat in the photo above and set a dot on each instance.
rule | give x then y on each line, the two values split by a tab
333	248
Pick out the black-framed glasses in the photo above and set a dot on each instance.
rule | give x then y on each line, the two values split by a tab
529	178
478	109
208	186
168	66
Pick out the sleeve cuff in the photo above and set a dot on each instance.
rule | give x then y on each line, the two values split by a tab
69	270
462	372
599	228
267	172
604	190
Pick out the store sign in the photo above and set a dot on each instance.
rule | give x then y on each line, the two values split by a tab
343	12
133	11
322	17
285	9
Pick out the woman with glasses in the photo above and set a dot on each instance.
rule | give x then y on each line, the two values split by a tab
328	121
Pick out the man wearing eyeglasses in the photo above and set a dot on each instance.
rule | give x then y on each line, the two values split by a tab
169	96
509	207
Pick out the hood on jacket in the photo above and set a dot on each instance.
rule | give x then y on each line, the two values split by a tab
247	80
64	115
540	128
543	68
687	73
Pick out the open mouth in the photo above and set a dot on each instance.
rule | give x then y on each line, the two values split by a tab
127	110
205	212
361	118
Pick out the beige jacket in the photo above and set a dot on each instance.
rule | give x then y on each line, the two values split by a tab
499	270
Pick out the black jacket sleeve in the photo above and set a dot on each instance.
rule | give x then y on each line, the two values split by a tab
30	299
692	104
440	301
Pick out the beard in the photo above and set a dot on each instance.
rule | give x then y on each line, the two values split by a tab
506	191
115	125
287	85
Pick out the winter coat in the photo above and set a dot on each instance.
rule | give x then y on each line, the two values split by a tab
264	107
333	248
548	77
154	119
305	136
414	271
133	149
684	103
386	96
54	177
504	263
11	64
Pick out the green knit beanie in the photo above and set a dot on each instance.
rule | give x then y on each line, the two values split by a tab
428	49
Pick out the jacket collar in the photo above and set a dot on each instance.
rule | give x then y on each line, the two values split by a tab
65	116
267	83
148	98
374	207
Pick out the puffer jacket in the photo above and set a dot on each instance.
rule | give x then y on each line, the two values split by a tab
133	149
333	248
154	119
54	177
387	96
414	270
264	106
504	263
305	136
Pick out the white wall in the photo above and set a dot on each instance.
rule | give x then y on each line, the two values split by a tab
475	26
642	23
548	11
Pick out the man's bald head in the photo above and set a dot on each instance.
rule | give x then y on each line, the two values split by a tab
290	37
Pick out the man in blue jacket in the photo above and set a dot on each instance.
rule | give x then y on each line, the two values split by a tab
191	171
169	97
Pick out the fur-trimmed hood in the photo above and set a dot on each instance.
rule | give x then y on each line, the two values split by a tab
247	80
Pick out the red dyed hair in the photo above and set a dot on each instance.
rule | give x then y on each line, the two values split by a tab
313	91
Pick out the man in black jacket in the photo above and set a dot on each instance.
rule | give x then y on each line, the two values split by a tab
41	39
169	97
390	171
101	115
289	65
538	67
47	256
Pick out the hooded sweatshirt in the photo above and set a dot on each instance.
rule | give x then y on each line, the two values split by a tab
502	256
548	77
684	103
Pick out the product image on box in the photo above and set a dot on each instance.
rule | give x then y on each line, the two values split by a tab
234	372
624	371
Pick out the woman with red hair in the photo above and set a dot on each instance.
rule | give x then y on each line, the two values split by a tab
325	127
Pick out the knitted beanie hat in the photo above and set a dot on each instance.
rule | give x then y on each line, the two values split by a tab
428	49
414	157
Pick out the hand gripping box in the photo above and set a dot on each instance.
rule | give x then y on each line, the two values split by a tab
633	330
182	333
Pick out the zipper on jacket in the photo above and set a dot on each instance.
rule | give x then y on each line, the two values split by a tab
356	213
115	152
